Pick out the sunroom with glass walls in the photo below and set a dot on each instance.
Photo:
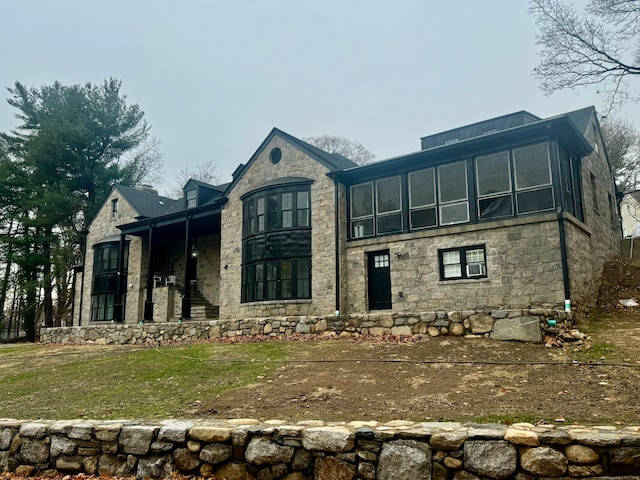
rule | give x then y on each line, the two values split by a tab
505	183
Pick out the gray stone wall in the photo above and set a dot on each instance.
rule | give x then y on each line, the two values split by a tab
103	225
591	244
519	324
293	163
524	267
317	450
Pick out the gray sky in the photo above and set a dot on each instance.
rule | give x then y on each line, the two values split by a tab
214	77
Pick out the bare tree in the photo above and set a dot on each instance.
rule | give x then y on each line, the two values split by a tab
623	147
599	46
203	172
350	149
143	164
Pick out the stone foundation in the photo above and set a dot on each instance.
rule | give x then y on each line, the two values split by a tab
524	325
315	450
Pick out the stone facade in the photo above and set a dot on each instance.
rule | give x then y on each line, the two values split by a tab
315	450
294	163
533	260
104	225
516	251
592	243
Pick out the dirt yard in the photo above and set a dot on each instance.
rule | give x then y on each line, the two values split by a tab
463	379
459	379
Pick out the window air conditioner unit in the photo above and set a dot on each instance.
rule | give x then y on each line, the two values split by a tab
157	281
358	231
475	270
171	280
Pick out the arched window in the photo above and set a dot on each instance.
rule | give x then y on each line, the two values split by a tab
276	242
105	279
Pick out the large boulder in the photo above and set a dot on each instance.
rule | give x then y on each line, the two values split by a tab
524	329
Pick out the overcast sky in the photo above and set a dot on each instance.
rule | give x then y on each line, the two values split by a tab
214	77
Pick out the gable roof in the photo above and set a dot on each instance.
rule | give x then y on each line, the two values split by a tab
582	118
148	204
333	161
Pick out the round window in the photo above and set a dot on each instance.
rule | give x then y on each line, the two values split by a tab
275	155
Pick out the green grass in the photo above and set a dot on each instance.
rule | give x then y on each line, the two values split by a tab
126	383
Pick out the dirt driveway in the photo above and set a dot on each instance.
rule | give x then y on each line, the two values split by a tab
450	378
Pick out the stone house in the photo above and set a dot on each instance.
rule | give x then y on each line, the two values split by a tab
512	212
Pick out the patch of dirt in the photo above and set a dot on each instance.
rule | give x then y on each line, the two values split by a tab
620	280
462	379
450	379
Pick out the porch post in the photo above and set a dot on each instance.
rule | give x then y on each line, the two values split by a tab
186	299
148	304
118	312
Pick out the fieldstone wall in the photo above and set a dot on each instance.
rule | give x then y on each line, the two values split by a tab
524	325
245	449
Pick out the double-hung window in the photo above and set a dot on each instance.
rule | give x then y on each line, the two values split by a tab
463	263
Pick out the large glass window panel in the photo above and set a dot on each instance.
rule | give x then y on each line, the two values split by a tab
495	207
423	218
535	200
272	281
454	213
532	166
390	223
452	182
362	200
422	188
493	174
286	280
259	272
389	195
302	199
287	210
303	279
362	228
273	222
260	213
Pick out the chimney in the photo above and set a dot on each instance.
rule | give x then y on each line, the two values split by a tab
147	189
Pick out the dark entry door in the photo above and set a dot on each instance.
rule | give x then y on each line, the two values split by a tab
379	280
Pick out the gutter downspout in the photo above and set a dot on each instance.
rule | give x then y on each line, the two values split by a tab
565	263
84	234
337	240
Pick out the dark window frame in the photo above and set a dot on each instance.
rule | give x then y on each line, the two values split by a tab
273	268
105	280
463	262
191	198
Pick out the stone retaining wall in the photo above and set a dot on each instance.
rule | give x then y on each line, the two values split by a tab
524	325
313	450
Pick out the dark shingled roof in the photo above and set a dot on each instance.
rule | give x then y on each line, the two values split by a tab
581	118
149	204
334	161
